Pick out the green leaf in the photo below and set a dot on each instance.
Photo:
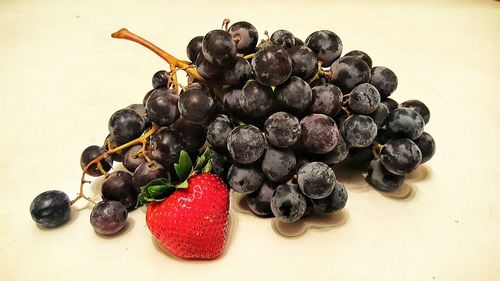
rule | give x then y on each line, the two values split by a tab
183	184
184	167
202	159
156	190
208	167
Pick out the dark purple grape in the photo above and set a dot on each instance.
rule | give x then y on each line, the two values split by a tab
326	45
244	179
390	103
362	55
360	157
382	136
193	48
338	154
282	129
316	180
138	108
110	143
256	100
278	164
259	202
326	99
334	202
405	123
161	107
108	217
245	35
348	72
380	115
166	146
219	163
319	133
239	73
207	70
419	107
232	101
246	144
193	134
218	131
384	80
118	186
146	97
146	172
287	203
400	156
283	38
133	158
197	106
126	125
90	154
219	47
295	95
426	145
298	42
381	179
359	130
160	79
364	99
304	62
50	208
272	65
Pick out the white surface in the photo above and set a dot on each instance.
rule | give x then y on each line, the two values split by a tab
62	76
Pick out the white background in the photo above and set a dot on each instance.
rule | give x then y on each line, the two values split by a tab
62	76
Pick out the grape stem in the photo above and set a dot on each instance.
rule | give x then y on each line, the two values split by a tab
97	161
376	150
171	60
249	56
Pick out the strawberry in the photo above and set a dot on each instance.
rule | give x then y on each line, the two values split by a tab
192	222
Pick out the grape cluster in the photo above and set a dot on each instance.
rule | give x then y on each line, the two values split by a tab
277	114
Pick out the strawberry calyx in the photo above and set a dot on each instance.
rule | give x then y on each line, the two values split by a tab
160	189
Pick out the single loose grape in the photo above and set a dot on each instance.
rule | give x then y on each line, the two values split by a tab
50	208
108	217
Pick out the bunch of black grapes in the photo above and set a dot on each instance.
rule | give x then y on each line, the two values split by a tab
277	115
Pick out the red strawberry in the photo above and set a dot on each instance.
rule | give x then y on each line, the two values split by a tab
192	223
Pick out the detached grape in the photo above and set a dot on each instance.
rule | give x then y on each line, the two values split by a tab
108	217
50	208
